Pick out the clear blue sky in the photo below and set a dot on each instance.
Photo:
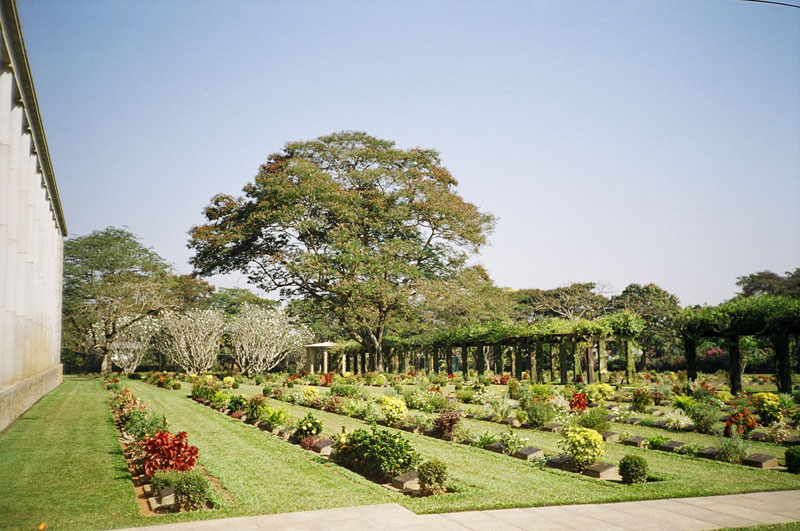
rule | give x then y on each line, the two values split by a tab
616	141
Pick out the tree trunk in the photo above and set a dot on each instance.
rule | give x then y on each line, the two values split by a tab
497	354
550	363
629	361
563	352
690	352
590	363
533	351
106	366
783	360
602	360
736	364
518	361
576	360
449	353
465	361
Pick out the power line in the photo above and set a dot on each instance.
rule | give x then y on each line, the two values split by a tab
774	3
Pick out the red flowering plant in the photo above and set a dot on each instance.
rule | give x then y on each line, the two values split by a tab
326	379
167	451
451	376
742	421
578	402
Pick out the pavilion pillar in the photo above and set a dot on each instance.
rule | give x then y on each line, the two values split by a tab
602	360
465	361
576	361
324	361
533	353
550	363
736	367
563	352
518	361
783	360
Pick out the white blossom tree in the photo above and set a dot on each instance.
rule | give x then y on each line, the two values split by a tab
191	339
263	337
131	343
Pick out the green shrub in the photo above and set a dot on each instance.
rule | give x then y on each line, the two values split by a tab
540	413
768	407
237	402
276	417
512	442
461	433
308	425
732	449
793	459
465	395
656	440
432	477
346	391
379	454
684	403
393	408
484	440
677	420
594	419
633	469
689	449
641	399
600	392
140	423
256	408
192	488
704	417
535	393
584	445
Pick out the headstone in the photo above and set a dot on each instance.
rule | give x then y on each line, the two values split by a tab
725	418
561	462
433	432
657	412
709	453
468	441
166	491
665	403
472	415
488	418
659	424
636	440
761	461
602	471
553	427
153	503
323	447
285	433
610	418
167	501
528	453
407	480
671	446
147	488
758	436
794	440
610	436
447	436
611	406
496	447
411	427
634	420
511	421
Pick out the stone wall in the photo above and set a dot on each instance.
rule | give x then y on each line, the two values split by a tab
31	237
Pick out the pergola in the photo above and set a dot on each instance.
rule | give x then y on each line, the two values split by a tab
314	360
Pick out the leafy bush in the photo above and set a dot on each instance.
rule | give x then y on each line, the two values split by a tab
484	440
465	395
308	425
461	433
432	477
308	394
346	391
740	423
308	442
447	420
393	408
594	419
641	399
684	403
732	449
237	402
658	396
219	400
656	440
379	454
689	449
535	393
512	442
141	423
600	392
677	420
768	407
192	489
704	417
540	413
633	469
584	445
167	451
793	459
778	432
256	408
578	402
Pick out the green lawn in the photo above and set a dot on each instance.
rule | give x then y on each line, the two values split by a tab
68	440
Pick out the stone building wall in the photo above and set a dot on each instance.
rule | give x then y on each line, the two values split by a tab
32	229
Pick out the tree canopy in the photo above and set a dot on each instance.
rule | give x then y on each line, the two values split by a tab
347	221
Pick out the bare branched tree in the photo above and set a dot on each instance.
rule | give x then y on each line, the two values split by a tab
263	337
192	339
131	341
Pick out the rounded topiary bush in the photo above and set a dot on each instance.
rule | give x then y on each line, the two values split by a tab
432	477
633	469
584	445
793	459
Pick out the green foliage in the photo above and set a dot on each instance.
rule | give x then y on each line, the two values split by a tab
600	392
540	413
656	440
256	408
393	408
677	420
308	425
641	399
594	419
192	489
512	442
633	469
237	402
685	403
732	449
432	477
379	454
346	391
704	417
140	423
484	440
793	459
584	445
768	407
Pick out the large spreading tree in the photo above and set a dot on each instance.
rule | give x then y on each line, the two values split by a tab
348	222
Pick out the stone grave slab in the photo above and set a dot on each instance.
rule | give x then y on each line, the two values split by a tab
659	424
553	427
285	433
323	447
636	440
610	436
511	421
433	432
407	480
147	489
602	471
411	427
610	418
471	415
633	420
761	461
671	446
758	436
611	406
447	436
794	440
657	412
561	462
528	453
496	447
725	418
711	452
